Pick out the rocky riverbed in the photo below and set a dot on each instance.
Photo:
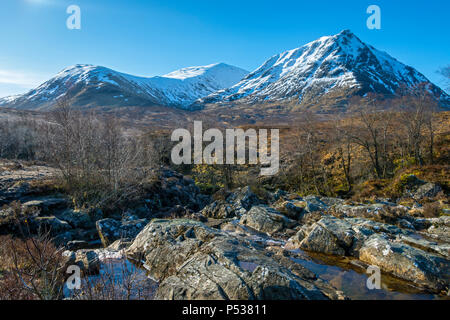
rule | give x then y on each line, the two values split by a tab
236	245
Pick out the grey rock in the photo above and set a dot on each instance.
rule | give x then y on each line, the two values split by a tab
314	203
192	261
290	208
336	236
120	244
426	245
77	244
111	230
428	190
407	262
87	260
330	235
77	219
266	219
51	223
243	197
219	209
439	228
46	205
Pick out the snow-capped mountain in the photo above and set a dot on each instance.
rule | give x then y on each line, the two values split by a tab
328	70
322	74
94	86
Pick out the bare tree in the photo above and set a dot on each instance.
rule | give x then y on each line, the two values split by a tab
370	131
344	146
445	72
417	108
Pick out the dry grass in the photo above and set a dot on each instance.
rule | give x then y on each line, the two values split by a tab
30	269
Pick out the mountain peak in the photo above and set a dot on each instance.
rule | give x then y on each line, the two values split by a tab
337	67
346	33
192	72
79	68
90	86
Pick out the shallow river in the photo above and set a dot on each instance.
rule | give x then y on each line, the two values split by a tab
121	279
351	279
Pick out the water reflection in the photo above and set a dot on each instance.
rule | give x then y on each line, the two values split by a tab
345	275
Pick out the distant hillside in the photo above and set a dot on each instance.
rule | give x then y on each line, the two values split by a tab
90	86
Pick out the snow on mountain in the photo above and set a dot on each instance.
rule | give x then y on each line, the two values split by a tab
93	86
326	72
334	67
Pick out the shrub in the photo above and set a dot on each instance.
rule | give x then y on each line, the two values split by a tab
432	210
31	269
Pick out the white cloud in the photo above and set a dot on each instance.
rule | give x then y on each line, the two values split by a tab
16	82
40	1
19	78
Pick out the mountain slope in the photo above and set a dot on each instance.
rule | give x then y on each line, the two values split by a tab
328	70
91	86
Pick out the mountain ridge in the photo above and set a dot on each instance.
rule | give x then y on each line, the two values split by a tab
323	74
340	66
93	86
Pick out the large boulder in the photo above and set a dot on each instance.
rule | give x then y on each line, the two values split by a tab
169	190
87	260
344	237
111	230
439	228
407	262
193	261
230	204
330	235
428	190
266	219
219	209
46	205
243	197
50	224
77	219
381	212
293	209
314	203
442	249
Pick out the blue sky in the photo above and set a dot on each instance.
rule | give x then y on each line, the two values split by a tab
148	37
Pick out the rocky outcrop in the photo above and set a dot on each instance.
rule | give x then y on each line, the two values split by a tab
111	230
87	260
172	189
240	251
428	190
50	224
396	251
46	205
221	209
330	235
77	219
193	261
266	219
231	204
346	236
442	249
382	212
407	262
293	209
243	197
